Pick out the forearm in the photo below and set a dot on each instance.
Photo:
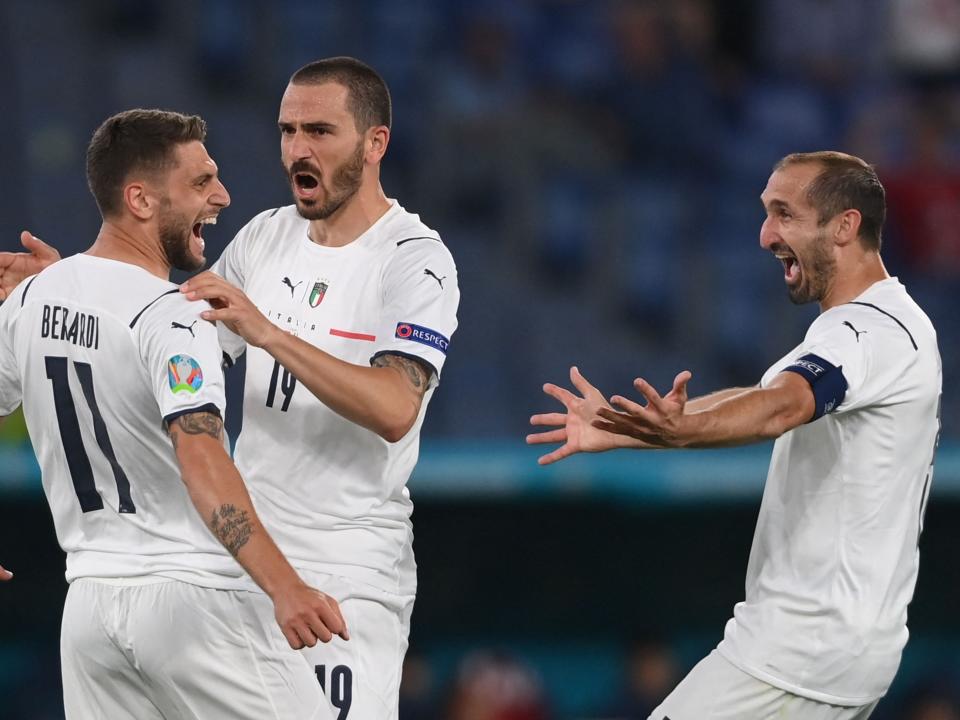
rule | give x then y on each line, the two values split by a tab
744	417
372	397
706	402
221	498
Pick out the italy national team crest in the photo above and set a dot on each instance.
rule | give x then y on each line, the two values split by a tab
316	295
184	374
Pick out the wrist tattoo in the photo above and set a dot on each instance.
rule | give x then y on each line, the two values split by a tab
413	370
232	527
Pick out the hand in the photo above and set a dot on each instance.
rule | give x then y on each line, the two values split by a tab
231	307
577	433
306	615
14	267
5	574
658	424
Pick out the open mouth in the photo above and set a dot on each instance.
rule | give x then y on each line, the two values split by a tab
791	267
305	185
198	231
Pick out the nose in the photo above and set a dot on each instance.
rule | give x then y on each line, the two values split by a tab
767	235
296	145
220	196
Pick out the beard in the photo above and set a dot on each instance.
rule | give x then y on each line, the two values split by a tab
176	234
818	270
344	185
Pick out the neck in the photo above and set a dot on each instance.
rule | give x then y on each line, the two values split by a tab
352	220
854	279
117	241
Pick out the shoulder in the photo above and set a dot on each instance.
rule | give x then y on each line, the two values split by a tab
169	309
270	223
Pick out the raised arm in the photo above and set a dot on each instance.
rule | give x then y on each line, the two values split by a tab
384	398
304	614
733	417
14	267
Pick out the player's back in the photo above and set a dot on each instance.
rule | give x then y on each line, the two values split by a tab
104	352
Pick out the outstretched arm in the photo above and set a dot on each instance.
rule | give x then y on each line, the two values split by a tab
739	417
14	267
305	615
384	398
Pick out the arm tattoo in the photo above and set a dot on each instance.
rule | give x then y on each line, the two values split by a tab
198	423
232	527
413	370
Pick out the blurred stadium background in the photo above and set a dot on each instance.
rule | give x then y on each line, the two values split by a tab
595	168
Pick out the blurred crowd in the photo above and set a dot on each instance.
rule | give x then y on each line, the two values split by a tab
594	166
494	686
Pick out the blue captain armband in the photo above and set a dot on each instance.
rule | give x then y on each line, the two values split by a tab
827	382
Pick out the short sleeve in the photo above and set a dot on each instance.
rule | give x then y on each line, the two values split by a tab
231	267
11	388
420	301
840	349
182	357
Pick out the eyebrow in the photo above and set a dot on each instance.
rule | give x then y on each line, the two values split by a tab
774	205
318	125
203	176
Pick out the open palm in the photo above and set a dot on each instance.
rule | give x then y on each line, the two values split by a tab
573	428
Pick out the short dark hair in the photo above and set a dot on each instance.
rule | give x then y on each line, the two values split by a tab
368	98
135	141
845	182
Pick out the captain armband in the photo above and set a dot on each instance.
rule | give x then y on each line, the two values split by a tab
826	380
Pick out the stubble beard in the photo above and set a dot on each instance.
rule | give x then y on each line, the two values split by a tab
176	234
817	275
345	183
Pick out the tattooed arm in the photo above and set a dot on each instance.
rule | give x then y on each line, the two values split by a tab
305	615
384	398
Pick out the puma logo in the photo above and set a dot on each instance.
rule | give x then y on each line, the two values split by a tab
286	281
188	328
428	271
856	332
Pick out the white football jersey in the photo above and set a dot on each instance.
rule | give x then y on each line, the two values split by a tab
332	493
100	353
835	554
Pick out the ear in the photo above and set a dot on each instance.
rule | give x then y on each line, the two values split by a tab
139	201
376	143
848	227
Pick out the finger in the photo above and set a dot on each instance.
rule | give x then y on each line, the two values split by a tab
293	639
649	392
581	383
552	436
330	615
224	315
208	277
207	290
342	630
627	406
562	394
35	245
549	419
559	454
318	628
680	385
5	574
